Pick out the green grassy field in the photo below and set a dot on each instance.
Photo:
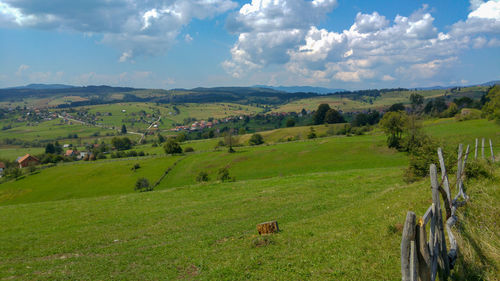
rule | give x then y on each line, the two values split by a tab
339	202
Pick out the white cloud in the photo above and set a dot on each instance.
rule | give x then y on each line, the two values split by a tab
269	29
188	38
372	49
134	27
21	69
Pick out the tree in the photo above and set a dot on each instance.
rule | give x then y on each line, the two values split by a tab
333	116
290	122
491	107
319	115
50	148
416	101
396	107
312	133
13	172
58	148
161	139
202	177
223	174
121	143
172	147
124	129
229	140
142	185
256	139
393	123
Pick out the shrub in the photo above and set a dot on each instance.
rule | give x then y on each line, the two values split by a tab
202	177
136	166
312	133
223	174
256	139
478	169
142	185
290	122
172	147
188	149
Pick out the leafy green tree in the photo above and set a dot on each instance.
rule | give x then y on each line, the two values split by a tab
492	106
333	116
319	115
202	177
290	122
50	148
312	133
58	148
223	174
172	147
416	101
181	137
13	172
124	129
121	143
396	107
143	185
393	123
161	139
256	139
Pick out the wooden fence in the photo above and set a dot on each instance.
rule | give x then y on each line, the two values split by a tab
424	258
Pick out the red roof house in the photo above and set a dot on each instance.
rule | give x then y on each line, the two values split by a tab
27	160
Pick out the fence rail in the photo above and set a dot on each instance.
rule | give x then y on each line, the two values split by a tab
424	258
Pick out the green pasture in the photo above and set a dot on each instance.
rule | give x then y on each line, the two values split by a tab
336	225
51	130
83	179
11	153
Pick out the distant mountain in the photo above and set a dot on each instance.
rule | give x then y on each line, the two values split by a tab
44	87
303	89
491	83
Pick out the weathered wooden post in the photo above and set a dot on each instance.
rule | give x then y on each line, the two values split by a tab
475	151
482	148
441	253
459	165
409	267
424	258
491	150
446	184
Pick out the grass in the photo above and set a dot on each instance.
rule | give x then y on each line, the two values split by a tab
11	153
83	179
334	226
112	177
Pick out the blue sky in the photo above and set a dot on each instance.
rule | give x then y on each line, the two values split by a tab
189	43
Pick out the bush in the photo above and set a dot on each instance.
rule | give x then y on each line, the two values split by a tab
172	147
223	174
290	122
142	185
256	139
312	133
188	149
136	166
478	169
202	177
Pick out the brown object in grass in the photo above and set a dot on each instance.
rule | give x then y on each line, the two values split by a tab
268	227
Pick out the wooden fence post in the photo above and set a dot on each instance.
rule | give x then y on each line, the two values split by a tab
475	151
459	165
491	150
408	270
423	256
441	253
482	148
446	184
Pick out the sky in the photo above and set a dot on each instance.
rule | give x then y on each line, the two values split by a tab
168	44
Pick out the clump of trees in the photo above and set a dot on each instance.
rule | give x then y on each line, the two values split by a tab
121	143
223	175
325	114
202	177
491	107
172	147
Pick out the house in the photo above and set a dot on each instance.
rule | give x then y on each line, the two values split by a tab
27	160
2	168
70	153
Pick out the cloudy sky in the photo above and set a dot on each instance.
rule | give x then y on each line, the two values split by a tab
351	44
